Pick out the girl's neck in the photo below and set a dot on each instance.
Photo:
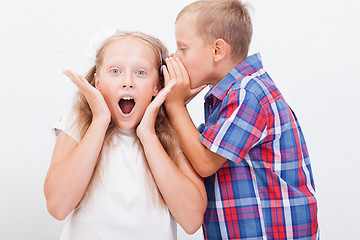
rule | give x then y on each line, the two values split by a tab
127	132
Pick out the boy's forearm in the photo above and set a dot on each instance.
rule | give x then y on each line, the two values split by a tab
203	160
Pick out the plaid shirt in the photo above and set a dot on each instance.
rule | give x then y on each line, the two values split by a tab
265	190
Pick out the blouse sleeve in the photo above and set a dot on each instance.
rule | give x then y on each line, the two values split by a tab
68	125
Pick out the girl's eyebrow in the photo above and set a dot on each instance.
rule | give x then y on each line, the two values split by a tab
121	61
144	65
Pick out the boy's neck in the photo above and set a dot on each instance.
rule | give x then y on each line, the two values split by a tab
224	67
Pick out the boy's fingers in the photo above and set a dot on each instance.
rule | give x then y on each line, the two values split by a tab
194	92
177	68
183	71
170	68
166	75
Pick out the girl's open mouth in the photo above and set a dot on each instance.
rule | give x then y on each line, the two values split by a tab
126	105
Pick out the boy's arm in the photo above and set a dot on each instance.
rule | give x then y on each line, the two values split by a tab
204	161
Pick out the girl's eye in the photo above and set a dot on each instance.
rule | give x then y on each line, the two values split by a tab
141	72
115	71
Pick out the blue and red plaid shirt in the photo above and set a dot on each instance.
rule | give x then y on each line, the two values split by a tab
266	189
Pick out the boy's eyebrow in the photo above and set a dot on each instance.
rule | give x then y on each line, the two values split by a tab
180	43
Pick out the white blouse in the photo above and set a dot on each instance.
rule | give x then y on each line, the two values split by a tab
122	204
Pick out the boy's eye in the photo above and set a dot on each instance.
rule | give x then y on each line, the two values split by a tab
181	48
141	72
115	71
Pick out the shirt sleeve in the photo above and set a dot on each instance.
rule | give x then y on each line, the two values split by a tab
240	125
67	124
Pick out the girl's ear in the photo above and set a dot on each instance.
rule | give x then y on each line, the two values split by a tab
220	49
97	82
156	90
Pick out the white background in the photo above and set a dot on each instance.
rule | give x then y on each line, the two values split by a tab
310	48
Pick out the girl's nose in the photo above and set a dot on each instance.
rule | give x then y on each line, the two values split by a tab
127	81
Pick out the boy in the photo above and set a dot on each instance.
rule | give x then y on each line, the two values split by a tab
251	150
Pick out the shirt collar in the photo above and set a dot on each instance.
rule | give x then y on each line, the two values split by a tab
250	65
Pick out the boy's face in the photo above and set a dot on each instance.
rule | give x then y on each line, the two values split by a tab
195	54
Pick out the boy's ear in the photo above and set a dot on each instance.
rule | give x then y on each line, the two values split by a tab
220	49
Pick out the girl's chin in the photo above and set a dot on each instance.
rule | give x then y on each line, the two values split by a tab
126	125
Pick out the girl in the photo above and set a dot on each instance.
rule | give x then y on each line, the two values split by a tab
115	145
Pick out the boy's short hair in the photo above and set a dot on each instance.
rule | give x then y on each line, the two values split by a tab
225	19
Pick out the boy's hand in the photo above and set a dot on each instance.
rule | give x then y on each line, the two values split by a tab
181	94
93	96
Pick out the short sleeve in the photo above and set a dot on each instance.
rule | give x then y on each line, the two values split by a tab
240	125
201	127
67	124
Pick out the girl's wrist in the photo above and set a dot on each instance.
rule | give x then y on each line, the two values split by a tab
145	135
101	121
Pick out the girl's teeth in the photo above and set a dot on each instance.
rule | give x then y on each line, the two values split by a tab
126	98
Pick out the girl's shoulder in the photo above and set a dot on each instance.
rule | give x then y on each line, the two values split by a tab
68	124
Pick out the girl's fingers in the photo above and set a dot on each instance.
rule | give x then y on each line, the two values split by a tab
81	83
148	119
168	86
161	96
73	77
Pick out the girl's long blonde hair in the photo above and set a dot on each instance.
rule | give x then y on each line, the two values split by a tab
163	127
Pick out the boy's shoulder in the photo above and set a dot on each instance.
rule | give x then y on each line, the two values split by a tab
249	76
258	83
248	72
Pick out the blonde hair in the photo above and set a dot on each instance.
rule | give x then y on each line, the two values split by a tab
163	127
225	19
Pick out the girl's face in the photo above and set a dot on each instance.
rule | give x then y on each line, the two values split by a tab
128	79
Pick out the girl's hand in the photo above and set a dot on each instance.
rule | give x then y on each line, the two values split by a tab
182	93
147	123
93	96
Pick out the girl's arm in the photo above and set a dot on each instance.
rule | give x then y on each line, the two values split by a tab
73	164
181	187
